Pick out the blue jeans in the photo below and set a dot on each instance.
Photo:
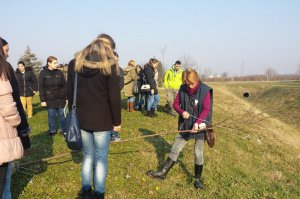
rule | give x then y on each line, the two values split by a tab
130	99
52	112
7	193
95	151
152	101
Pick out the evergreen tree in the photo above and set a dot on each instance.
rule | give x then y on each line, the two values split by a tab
31	60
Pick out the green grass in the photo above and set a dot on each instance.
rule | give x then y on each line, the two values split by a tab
248	161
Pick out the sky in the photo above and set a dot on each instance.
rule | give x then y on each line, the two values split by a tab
239	37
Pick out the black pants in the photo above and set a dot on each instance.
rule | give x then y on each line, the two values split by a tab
3	171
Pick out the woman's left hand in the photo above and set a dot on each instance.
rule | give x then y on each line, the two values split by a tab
195	128
117	128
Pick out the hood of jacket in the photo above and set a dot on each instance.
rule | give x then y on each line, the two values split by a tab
91	65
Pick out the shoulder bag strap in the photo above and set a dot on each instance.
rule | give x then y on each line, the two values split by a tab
75	92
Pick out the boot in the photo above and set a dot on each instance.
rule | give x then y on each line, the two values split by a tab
131	107
149	113
198	171
98	195
153	112
86	193
128	107
161	174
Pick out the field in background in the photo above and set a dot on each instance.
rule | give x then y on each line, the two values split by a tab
256	154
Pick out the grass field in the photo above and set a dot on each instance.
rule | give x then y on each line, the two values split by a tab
256	154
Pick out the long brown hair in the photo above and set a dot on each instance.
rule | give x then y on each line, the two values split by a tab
104	46
4	70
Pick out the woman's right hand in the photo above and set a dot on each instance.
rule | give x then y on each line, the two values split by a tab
44	104
117	128
185	115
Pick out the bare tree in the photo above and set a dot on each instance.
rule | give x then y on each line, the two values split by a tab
207	72
271	73
163	54
188	62
224	75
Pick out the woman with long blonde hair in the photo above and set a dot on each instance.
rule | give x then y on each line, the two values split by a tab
98	108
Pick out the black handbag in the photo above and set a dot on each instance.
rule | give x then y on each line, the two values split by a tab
73	134
145	88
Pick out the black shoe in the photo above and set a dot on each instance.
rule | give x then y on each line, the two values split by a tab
86	193
52	133
198	184
98	195
161	174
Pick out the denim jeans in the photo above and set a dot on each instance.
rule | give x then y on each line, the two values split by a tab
130	99
95	151
6	192
152	101
180	143
52	112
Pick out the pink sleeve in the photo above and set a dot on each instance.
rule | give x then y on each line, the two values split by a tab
176	104
205	108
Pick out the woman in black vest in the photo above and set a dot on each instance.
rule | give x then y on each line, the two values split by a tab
193	103
52	85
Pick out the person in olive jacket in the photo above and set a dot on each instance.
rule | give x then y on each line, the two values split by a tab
52	87
27	86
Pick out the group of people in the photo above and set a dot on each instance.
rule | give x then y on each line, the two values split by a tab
98	83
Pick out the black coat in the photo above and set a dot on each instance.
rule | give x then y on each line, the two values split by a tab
27	82
149	74
98	98
52	86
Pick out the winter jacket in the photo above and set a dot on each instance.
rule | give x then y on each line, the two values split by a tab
52	85
27	82
98	96
149	73
130	76
10	144
173	78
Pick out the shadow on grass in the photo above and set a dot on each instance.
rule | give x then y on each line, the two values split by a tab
41	147
162	148
37	108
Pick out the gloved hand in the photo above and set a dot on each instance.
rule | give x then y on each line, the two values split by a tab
202	126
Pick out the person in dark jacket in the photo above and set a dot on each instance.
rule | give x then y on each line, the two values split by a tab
193	103
52	87
98	108
27	86
138	96
23	128
151	75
